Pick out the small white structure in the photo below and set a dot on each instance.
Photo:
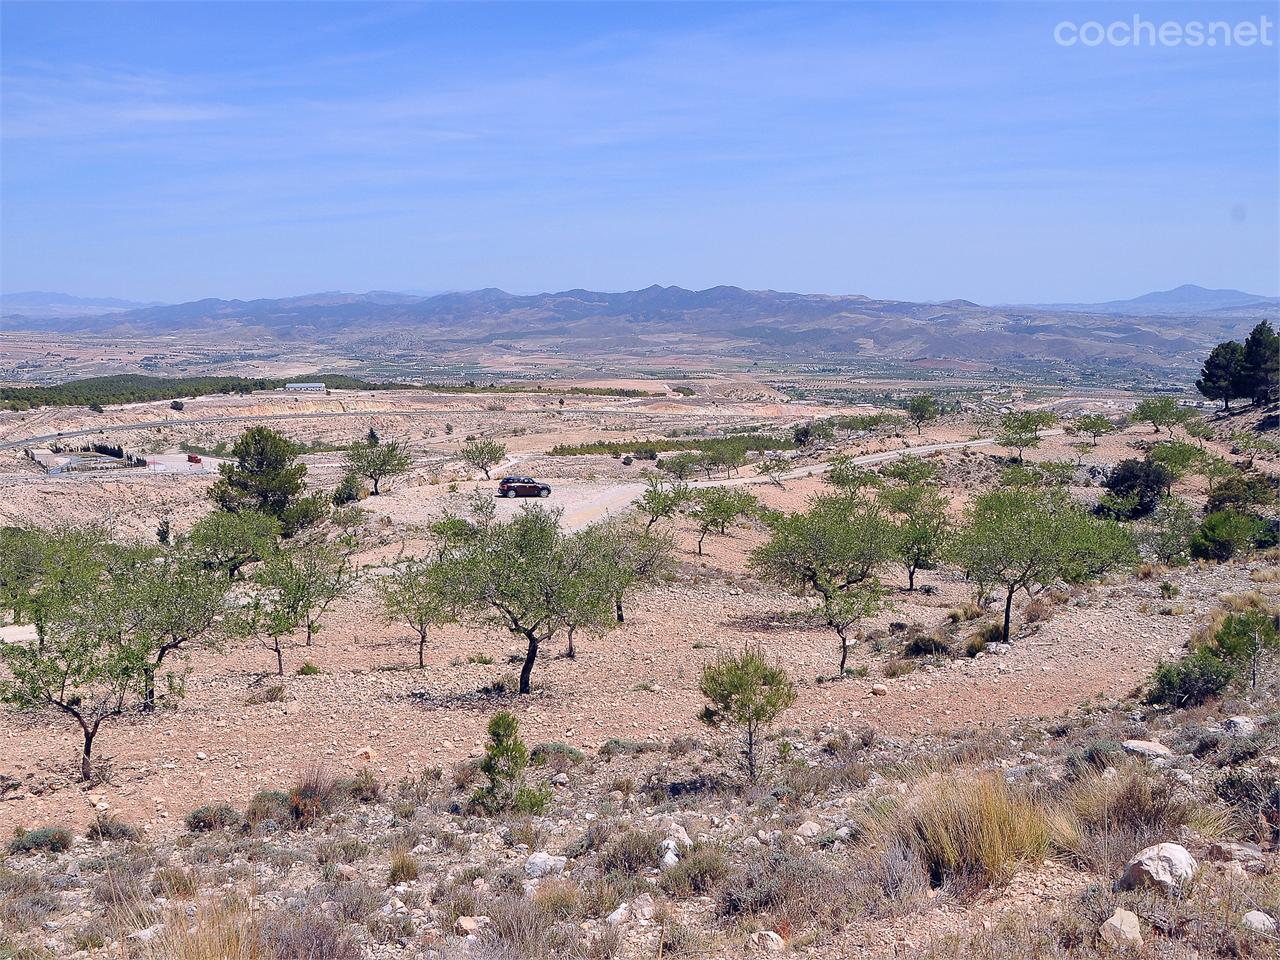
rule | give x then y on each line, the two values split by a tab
305	387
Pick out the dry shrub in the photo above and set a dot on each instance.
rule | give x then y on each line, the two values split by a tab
25	900
175	883
107	826
559	898
631	852
222	930
965	613
346	850
317	793
975	830
1038	610
404	866
1102	820
701	867
517	929
1244	602
791	888
898	668
307	934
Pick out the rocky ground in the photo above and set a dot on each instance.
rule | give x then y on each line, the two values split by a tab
330	813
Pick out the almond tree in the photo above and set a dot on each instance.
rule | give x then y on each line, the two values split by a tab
717	507
1019	538
377	461
483	454
922	529
661	499
530	578
422	594
179	604
747	692
84	661
833	550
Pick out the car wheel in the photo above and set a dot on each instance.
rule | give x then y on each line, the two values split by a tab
509	494
544	492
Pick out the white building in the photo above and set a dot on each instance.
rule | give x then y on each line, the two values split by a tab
305	387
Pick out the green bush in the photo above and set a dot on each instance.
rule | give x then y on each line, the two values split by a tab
1224	534
108	827
212	817
1190	681
505	761
51	839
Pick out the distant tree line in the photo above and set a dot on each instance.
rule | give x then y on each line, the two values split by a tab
136	388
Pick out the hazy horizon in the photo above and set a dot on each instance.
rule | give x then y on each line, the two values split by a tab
907	151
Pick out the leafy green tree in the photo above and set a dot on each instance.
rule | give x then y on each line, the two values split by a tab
834	550
265	475
297	587
1223	375
483	455
749	693
423	595
1243	491
1162	413
910	470
530	578
682	466
717	507
850	477
661	499
1176	456
922	408
178	603
228	541
1167	536
84	661
1095	425
1019	430
920	535
505	761
1261	364
633	555
1021	539
378	462
1141	482
22	557
773	467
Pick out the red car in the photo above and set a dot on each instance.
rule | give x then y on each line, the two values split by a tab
522	487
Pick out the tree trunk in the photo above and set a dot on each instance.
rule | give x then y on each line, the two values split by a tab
279	660
701	537
375	486
911	578
526	671
617	609
309	633
149	688
844	650
751	752
86	752
570	652
1008	612
422	646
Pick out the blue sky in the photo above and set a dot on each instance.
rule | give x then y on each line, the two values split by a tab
912	150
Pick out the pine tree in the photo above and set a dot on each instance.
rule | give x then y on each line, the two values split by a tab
1222	376
1261	362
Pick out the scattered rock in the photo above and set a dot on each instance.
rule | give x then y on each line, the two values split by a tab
1150	749
1122	929
769	941
365	754
1226	851
620	915
809	829
1258	922
542	864
879	690
1167	867
643	907
1240	726
467	926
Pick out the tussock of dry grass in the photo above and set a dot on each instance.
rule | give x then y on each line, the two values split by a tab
967	829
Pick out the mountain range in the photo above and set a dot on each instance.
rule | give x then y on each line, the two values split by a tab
1165	330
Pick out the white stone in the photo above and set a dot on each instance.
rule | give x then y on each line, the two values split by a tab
879	690
1147	748
669	860
1168	867
542	864
1240	726
809	829
1258	922
643	907
621	915
1122	929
